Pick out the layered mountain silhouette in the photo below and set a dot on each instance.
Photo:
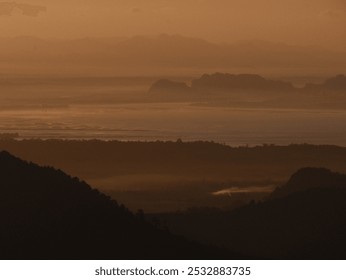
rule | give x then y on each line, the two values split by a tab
305	220
46	214
221	81
169	87
225	82
337	83
310	178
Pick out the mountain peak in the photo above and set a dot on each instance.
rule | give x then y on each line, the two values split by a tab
6	157
336	83
169	87
309	178
4	153
226	81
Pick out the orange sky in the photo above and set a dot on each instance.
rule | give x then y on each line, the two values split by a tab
319	22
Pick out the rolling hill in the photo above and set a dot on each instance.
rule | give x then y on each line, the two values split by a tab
46	214
309	222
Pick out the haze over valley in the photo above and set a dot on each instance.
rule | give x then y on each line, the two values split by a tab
168	129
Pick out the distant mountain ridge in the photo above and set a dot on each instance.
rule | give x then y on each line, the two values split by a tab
167	52
226	82
337	83
169	86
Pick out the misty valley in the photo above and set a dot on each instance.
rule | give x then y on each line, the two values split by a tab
173	130
186	199
217	166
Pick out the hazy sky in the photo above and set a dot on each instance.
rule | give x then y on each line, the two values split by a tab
321	22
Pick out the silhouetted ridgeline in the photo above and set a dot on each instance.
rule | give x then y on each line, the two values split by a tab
249	90
167	90
337	83
306	223
222	82
244	82
170	86
310	178
46	214
226	82
167	176
95	159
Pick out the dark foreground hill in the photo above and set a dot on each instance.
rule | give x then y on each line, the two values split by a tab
310	178
305	224
46	214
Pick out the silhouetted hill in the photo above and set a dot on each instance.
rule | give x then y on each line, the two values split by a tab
46	214
164	86
337	83
220	82
226	82
308	178
308	224
305	225
250	90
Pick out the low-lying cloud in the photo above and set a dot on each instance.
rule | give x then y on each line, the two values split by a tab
246	190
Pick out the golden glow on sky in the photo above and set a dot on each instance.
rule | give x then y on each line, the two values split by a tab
304	22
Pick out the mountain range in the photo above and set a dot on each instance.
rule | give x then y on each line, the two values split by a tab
225	82
165	52
337	83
